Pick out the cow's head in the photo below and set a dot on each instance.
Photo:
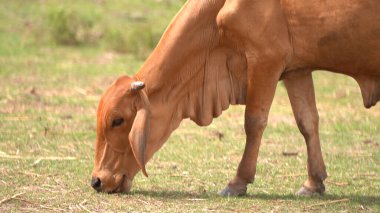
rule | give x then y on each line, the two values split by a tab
191	63
122	131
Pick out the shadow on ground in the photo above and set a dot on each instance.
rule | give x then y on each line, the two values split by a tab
360	199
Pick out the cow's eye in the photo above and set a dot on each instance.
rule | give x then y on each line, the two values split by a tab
117	122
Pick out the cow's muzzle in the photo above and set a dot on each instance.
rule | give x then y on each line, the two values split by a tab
96	183
118	184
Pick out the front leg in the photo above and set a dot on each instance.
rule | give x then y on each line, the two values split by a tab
264	36
263	76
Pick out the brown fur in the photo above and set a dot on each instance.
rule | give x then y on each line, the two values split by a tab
221	52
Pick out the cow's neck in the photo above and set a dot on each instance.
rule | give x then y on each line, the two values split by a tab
191	74
193	32
200	90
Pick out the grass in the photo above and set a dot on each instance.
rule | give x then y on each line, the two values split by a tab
48	98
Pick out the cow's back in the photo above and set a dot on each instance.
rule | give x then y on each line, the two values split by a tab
341	35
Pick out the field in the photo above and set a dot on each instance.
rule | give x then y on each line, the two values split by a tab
56	59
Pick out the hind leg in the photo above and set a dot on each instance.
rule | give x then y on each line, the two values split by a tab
301	94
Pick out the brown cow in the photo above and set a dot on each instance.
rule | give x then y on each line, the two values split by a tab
221	52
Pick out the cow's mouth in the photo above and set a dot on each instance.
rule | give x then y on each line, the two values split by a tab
120	187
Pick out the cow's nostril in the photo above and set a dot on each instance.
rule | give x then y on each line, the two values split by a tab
96	183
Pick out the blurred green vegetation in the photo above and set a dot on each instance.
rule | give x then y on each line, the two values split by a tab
128	27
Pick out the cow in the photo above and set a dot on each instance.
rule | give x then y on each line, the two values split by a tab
217	53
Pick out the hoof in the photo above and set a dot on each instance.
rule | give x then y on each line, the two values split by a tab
307	192
233	192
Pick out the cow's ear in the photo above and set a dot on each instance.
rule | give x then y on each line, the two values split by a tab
140	131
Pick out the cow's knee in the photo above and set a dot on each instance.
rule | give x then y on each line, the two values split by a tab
254	124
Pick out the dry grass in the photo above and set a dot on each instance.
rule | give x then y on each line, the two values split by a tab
48	101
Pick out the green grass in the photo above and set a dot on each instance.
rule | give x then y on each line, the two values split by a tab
48	98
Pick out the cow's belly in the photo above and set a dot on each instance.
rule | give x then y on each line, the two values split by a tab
341	36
